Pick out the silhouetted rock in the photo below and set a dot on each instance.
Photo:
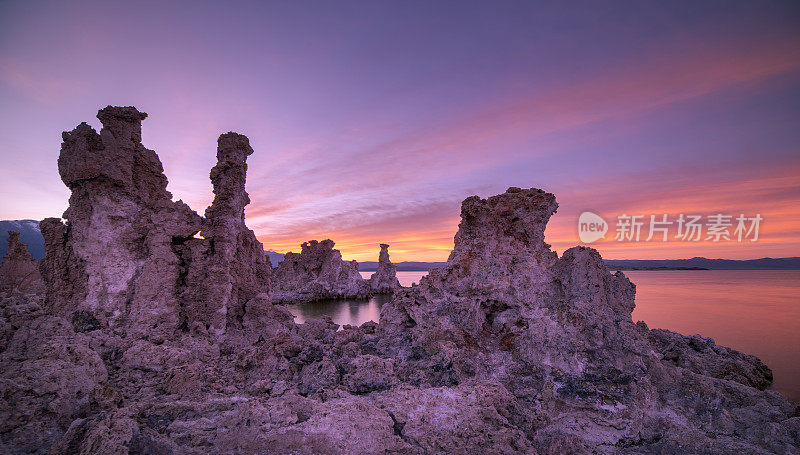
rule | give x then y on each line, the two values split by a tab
19	270
317	273
384	280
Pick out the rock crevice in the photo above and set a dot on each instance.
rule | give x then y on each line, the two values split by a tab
128	253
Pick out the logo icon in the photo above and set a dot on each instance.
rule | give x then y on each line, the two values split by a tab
591	227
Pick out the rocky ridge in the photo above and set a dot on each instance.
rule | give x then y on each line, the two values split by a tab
507	349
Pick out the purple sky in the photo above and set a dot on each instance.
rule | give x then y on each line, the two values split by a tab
371	121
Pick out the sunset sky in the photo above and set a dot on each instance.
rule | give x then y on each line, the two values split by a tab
372	121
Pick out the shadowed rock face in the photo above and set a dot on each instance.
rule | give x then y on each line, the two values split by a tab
317	273
152	340
384	280
19	270
226	268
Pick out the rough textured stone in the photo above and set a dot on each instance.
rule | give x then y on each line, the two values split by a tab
317	273
116	250
19	271
384	280
128	253
702	356
471	418
153	340
47	379
226	268
557	333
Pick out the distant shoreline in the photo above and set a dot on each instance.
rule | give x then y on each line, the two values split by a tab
655	269
792	263
31	236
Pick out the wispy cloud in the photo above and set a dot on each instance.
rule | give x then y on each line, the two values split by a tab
342	192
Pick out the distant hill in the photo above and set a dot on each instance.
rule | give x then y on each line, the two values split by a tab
29	232
405	266
697	263
792	263
274	257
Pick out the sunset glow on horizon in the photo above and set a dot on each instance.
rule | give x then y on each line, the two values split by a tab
371	122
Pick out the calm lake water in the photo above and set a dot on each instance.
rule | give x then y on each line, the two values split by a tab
353	312
754	311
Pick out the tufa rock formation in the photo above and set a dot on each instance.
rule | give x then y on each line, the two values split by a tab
384	280
557	335
152	340
128	251
226	268
317	273
19	270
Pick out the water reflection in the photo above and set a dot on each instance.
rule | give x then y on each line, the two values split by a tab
353	312
405	278
754	311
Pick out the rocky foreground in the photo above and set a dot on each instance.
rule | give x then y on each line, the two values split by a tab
158	333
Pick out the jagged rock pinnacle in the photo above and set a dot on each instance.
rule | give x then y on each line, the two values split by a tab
154	340
128	255
384	280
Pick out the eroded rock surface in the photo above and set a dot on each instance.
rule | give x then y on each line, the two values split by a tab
19	271
702	356
507	349
384	280
317	273
557	334
227	268
128	253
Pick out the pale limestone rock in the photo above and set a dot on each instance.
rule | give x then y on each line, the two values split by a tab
128	254
317	273
384	280
115	257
